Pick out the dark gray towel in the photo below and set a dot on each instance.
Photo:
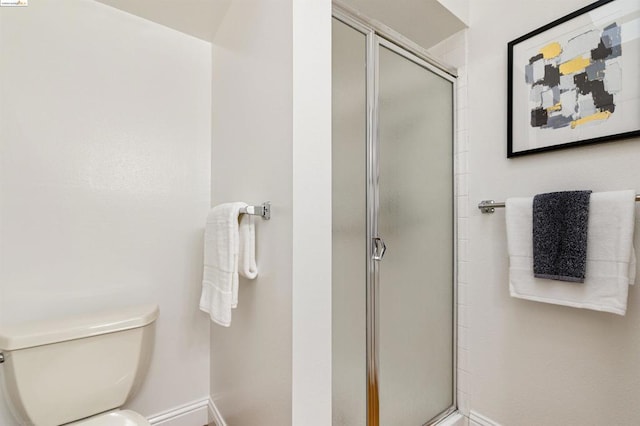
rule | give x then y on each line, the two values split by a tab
560	221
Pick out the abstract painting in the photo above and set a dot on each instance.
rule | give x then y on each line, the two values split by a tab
576	81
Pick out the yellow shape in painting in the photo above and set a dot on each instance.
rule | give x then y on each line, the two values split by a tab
556	107
593	117
574	65
551	50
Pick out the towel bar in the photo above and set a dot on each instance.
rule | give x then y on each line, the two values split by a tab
264	210
490	206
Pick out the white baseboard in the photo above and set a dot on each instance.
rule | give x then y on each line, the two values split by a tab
214	414
455	419
479	420
194	413
201	412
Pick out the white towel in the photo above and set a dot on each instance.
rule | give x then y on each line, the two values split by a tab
611	263
229	241
247	256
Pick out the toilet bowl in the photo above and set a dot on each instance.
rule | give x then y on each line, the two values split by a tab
80	370
113	418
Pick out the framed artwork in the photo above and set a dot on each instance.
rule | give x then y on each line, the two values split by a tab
576	81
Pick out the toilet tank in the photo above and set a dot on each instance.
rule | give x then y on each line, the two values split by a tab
59	371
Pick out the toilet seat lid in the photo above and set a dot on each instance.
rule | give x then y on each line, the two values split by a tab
114	418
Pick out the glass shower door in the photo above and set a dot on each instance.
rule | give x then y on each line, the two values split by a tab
392	159
349	205
415	219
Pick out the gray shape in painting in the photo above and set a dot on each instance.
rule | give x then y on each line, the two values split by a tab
547	99
586	105
615	51
558	121
566	82
595	71
611	36
528	73
613	77
538	70
536	94
556	94
569	102
580	45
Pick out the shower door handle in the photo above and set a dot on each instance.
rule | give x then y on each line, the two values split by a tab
379	248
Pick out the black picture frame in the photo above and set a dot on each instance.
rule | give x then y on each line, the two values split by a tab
545	128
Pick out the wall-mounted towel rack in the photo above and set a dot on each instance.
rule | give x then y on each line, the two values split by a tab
263	210
490	206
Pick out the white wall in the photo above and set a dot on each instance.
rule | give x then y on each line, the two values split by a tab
460	8
312	213
453	51
252	161
425	22
533	363
271	141
195	17
105	178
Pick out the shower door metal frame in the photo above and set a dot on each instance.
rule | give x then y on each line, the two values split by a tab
377	35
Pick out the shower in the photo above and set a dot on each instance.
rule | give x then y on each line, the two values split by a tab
393	228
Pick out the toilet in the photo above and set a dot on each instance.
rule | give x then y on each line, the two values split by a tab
78	371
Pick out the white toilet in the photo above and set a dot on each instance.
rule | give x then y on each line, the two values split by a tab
78	371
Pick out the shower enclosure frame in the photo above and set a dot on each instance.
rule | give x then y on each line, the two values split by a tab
378	34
